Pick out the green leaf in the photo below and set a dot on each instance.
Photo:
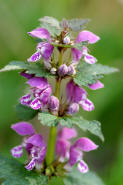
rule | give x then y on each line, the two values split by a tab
50	20
51	24
88	74
94	127
79	45
56	181
53	30
13	172
25	113
77	178
77	24
32	68
15	65
47	119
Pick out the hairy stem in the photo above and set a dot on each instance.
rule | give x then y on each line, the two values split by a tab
53	131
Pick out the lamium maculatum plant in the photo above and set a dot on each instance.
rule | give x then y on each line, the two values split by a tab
58	75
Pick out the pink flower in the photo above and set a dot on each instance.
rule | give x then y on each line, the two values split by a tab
40	93
83	36
44	49
33	143
76	153
76	94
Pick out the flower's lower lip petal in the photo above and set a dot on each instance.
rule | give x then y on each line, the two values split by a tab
36	104
87	105
26	100
35	57
17	151
90	59
82	167
96	85
31	165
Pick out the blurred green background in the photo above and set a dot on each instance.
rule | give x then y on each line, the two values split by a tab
19	17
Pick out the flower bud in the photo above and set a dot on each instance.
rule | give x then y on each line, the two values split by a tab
54	103
71	70
63	70
53	70
73	108
66	40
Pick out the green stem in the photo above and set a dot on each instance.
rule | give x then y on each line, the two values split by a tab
60	58
53	131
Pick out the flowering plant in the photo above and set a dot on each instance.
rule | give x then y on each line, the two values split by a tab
61	59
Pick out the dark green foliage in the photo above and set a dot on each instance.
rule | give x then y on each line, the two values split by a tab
93	127
32	68
88	74
13	172
25	113
77	24
51	24
77	178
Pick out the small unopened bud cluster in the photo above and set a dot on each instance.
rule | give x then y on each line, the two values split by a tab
66	70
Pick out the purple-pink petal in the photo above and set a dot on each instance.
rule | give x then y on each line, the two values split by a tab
87	105
67	133
39	82
87	36
26	75
63	70
62	147
36	140
82	167
35	57
74	92
79	94
45	95
41	33
96	85
85	144
23	128
17	151
75	155
36	104
90	59
46	50
71	70
53	103
31	165
26	100
76	54
73	108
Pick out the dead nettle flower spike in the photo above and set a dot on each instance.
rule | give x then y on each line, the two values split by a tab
41	96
